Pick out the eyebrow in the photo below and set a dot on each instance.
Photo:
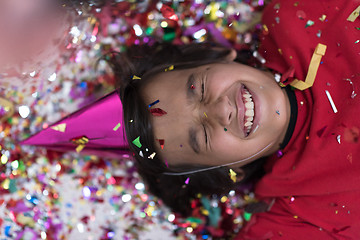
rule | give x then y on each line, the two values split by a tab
189	92
193	142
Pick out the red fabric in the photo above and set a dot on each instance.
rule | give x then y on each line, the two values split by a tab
320	167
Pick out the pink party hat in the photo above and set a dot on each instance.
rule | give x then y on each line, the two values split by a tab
96	129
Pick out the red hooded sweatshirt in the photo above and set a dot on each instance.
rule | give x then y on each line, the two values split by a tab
315	185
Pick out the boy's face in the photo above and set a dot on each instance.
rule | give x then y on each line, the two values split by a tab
218	114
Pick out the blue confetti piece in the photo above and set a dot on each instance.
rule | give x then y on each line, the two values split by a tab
152	104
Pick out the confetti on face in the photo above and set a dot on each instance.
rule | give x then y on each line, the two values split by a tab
225	129
157	112
136	77
187	181
232	175
117	127
192	86
277	112
205	114
162	142
60	127
153	103
137	142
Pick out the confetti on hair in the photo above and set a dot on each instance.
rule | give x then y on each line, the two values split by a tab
331	101
141	154
169	68
60	127
137	142
153	103
136	77
152	155
187	181
161	142
157	112
232	175
117	127
247	216
354	15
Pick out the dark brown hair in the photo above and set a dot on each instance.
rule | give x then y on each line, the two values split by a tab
145	62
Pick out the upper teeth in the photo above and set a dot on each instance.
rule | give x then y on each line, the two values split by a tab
249	111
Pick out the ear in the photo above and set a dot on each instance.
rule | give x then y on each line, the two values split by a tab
240	174
231	56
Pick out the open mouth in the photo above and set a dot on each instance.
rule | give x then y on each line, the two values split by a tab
249	108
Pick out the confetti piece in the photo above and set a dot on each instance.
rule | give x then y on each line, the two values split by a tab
357	41
279	153
152	155
117	127
313	67
137	142
205	114
247	216
135	77
225	129
355	14
162	142
79	148
166	163
232	175
338	138
323	17
169	68
157	112
168	12
277	112
141	154
309	23
331	101
192	86
60	127
80	140
153	103
187	181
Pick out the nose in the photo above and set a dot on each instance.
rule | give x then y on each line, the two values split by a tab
222	111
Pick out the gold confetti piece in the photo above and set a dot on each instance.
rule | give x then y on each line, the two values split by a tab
169	68
313	67
81	140
152	155
205	114
136	77
232	175
60	127
80	148
117	127
355	14
322	18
